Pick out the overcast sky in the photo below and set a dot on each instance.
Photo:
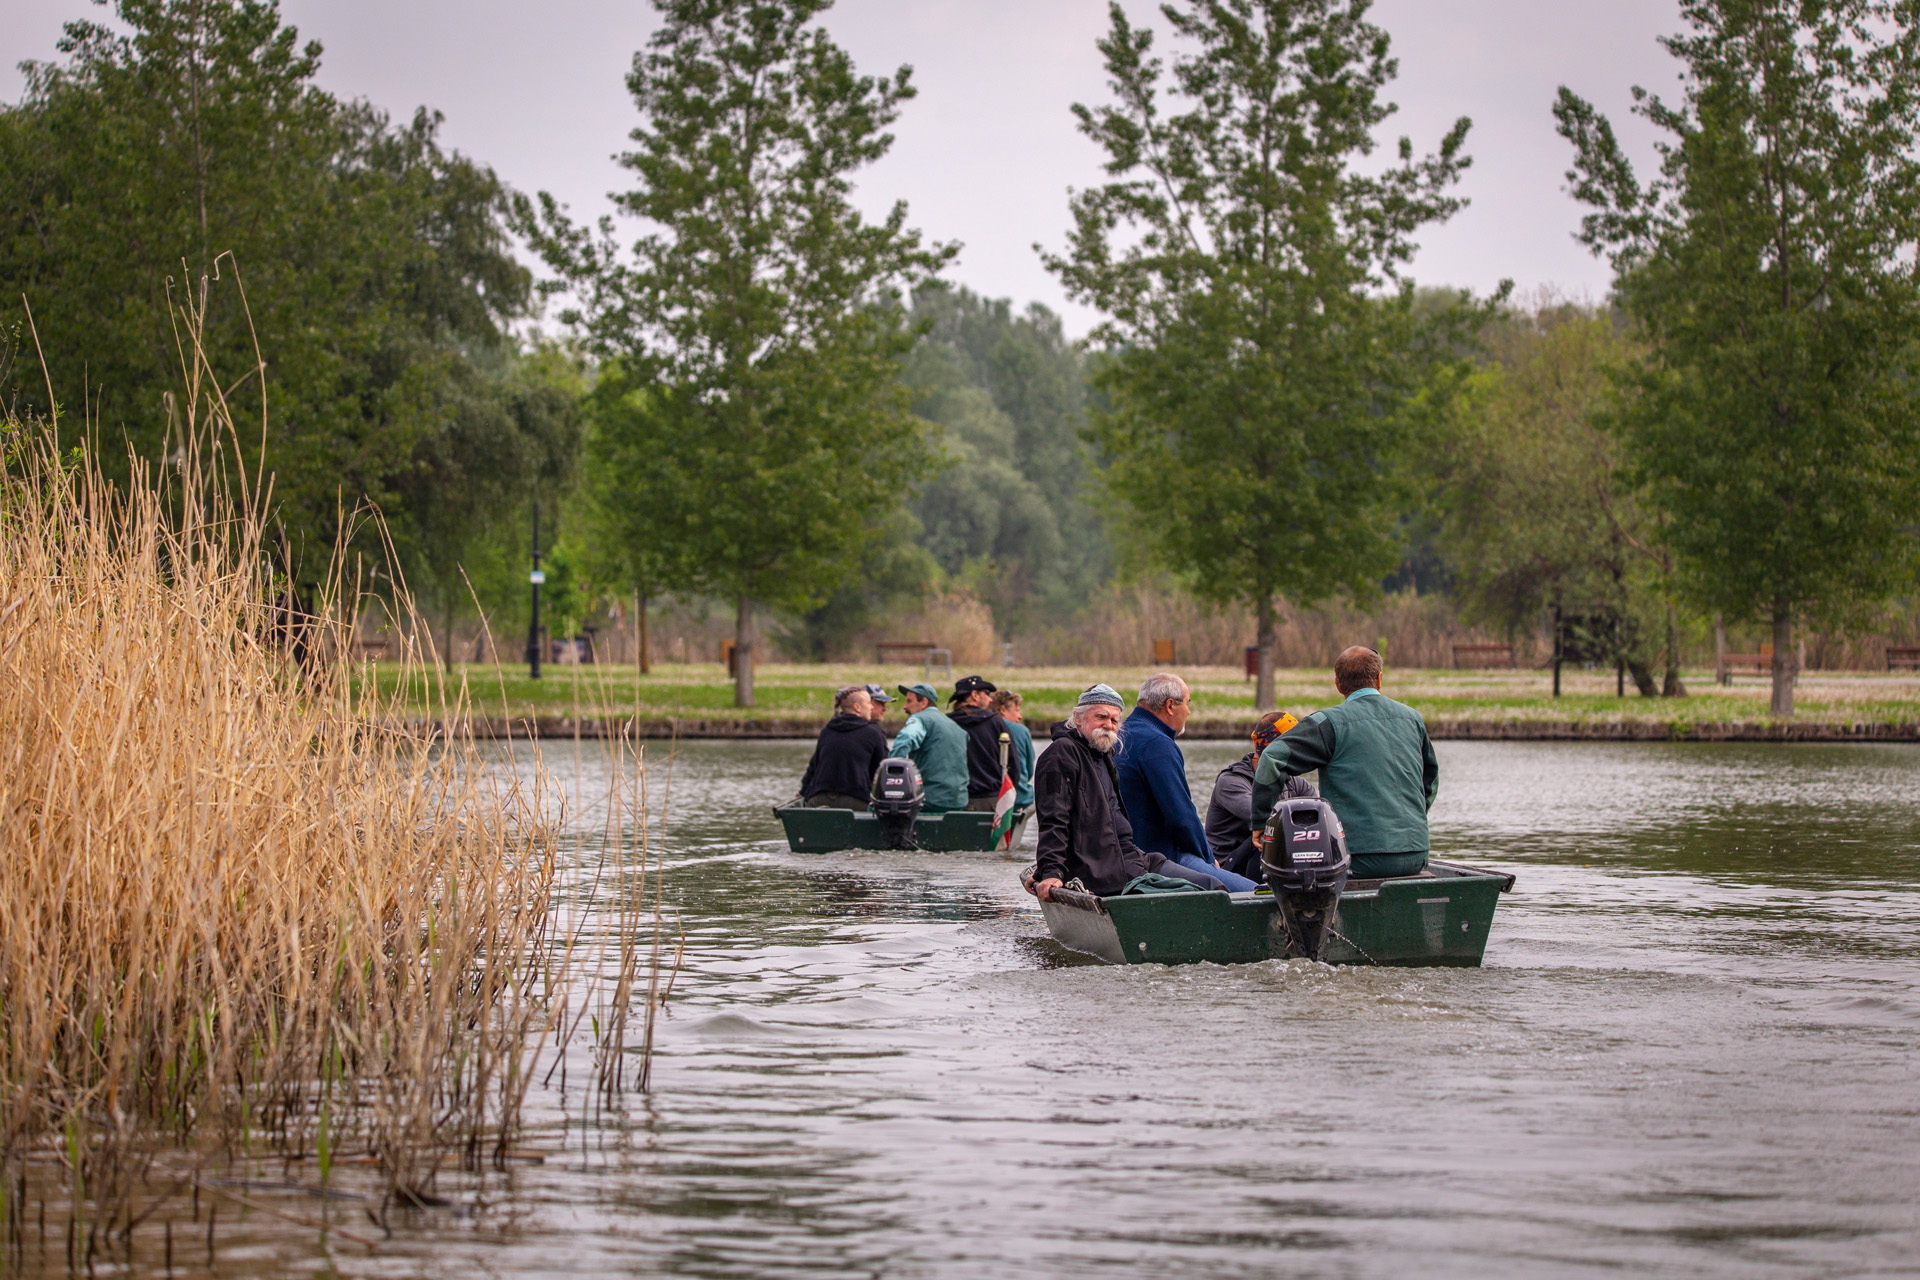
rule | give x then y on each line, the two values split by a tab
987	151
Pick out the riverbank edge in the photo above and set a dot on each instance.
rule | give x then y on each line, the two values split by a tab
657	728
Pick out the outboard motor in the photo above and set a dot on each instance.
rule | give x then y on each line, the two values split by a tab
898	796
1306	862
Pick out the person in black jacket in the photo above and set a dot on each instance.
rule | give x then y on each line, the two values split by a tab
847	756
1230	810
971	707
1084	833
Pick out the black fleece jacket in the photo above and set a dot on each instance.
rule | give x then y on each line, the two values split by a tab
983	730
846	757
1083	830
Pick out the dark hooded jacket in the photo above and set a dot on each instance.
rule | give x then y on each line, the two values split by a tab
1084	832
983	729
846	757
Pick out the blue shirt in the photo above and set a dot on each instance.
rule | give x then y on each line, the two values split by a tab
1154	791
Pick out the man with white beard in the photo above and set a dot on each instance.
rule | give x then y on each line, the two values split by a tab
1084	833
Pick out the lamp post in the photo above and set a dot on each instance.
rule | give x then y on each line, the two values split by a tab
536	578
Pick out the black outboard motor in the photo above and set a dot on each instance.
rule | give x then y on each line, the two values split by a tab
1306	862
898	795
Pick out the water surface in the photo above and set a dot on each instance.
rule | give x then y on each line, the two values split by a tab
1692	1051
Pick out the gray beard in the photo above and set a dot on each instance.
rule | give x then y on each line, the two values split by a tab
1105	741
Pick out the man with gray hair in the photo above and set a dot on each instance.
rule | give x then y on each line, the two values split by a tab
1153	782
1083	831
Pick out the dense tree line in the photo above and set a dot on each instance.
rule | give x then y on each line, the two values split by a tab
765	399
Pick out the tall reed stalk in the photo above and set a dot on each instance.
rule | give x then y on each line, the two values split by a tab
243	908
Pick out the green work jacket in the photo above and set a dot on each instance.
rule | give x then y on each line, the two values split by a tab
938	747
1377	770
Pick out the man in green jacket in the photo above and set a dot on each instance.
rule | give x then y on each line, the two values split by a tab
937	745
1377	770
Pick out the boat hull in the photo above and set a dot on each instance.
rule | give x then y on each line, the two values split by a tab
1441	917
828	830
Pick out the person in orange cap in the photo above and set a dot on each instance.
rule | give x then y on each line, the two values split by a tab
1230	811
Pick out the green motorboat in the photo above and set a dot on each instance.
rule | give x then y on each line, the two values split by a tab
1440	917
828	830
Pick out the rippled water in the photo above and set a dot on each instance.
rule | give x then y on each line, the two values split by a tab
1694	1049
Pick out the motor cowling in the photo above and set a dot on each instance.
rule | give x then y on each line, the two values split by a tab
897	797
1306	863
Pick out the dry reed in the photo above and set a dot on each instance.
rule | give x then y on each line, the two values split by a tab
241	912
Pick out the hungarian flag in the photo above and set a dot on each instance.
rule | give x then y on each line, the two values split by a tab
1002	837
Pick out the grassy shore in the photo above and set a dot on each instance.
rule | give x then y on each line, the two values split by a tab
1222	696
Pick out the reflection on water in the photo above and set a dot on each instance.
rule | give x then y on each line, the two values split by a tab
1692	1051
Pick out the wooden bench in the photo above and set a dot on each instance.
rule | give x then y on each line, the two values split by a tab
1903	657
1760	664
1482	655
915	649
374	649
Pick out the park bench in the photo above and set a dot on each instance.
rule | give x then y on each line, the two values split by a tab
930	654
1759	664
375	647
1482	655
1903	657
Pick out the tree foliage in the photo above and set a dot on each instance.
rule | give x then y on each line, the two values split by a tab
1265	364
1536	515
194	143
755	301
1770	268
1008	516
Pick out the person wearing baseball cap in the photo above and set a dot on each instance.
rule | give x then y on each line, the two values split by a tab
936	745
971	707
878	698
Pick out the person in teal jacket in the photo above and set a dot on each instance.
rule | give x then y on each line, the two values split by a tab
1377	770
937	746
1006	705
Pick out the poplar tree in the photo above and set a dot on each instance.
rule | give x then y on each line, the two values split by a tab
1265	353
1770	268
754	303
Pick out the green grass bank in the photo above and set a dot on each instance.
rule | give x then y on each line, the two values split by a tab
696	700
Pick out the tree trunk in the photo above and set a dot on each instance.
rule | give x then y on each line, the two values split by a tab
1673	686
640	609
446	638
1719	650
1643	679
1782	661
743	653
1264	638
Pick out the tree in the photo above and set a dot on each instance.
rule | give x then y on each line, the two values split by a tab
496	437
636	527
1770	269
1536	515
197	146
1007	516
1262	384
756	301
